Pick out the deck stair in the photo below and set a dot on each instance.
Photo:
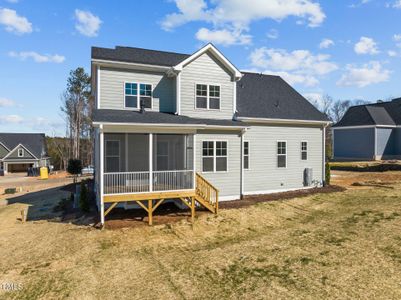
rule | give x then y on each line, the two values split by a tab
206	194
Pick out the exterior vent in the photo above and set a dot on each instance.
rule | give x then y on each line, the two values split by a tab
308	175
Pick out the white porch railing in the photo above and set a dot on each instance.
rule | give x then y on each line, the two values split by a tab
139	182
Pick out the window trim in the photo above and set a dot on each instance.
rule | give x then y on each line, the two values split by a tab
207	97
286	154
106	156
214	156
23	152
307	150
138	83
249	155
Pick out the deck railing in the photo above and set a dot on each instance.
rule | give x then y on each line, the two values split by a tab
207	191
139	182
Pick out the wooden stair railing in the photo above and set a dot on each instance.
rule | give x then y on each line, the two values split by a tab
206	194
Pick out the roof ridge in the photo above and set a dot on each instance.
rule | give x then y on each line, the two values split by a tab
153	50
261	73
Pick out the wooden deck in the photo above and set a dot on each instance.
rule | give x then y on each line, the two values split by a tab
204	194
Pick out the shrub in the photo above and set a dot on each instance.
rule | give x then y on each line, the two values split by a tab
328	175
84	198
74	167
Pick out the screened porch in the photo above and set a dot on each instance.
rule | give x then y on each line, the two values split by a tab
140	163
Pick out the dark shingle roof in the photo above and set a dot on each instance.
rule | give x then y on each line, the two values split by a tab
34	142
267	96
139	55
151	117
382	113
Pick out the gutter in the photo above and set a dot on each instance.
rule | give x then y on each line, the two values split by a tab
283	121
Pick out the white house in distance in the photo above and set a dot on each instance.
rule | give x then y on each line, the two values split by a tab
195	128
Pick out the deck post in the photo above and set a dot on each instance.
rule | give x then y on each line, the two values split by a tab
101	179
193	209
150	211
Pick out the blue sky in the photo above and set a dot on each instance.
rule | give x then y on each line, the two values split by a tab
347	49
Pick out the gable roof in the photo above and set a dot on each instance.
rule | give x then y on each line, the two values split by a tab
34	142
139	55
18	147
270	97
155	118
382	113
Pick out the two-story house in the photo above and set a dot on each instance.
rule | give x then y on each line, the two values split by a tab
195	128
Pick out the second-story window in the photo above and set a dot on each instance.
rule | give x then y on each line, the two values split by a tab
135	94
207	96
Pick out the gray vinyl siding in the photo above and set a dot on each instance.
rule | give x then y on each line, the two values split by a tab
264	175
228	182
386	143
206	70
14	155
112	88
354	143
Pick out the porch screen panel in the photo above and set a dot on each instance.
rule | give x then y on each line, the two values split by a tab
138	152
114	152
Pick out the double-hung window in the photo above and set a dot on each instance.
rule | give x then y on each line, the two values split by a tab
246	155
137	94
214	156
207	96
281	154
112	156
304	150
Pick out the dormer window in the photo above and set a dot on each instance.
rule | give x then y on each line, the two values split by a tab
20	152
134	96
207	96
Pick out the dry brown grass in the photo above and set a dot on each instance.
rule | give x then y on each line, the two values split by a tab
341	245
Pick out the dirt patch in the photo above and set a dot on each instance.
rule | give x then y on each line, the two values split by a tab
254	199
353	179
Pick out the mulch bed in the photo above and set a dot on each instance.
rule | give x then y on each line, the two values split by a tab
251	200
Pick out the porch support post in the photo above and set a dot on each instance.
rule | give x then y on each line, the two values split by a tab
101	179
194	162
150	211
193	209
150	162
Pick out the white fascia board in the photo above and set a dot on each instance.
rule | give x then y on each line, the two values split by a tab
283	121
128	65
364	126
218	54
171	126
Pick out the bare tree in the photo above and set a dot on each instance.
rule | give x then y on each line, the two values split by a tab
338	109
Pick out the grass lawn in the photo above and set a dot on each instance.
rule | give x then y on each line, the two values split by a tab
340	245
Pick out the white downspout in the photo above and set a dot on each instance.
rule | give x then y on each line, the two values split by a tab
242	181
150	162
324	154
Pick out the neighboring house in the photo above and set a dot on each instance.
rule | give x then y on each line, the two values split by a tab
19	151
204	124
369	132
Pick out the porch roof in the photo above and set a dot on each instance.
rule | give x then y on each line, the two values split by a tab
107	116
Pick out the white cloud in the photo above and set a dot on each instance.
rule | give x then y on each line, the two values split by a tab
397	37
367	74
87	23
366	45
272	34
392	53
12	1
223	37
39	58
11	119
13	22
299	66
4	102
326	43
397	4
236	15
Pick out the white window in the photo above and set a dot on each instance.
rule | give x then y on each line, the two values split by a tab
112	157
207	96
304	150
137	94
214	156
281	154
246	155
20	152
